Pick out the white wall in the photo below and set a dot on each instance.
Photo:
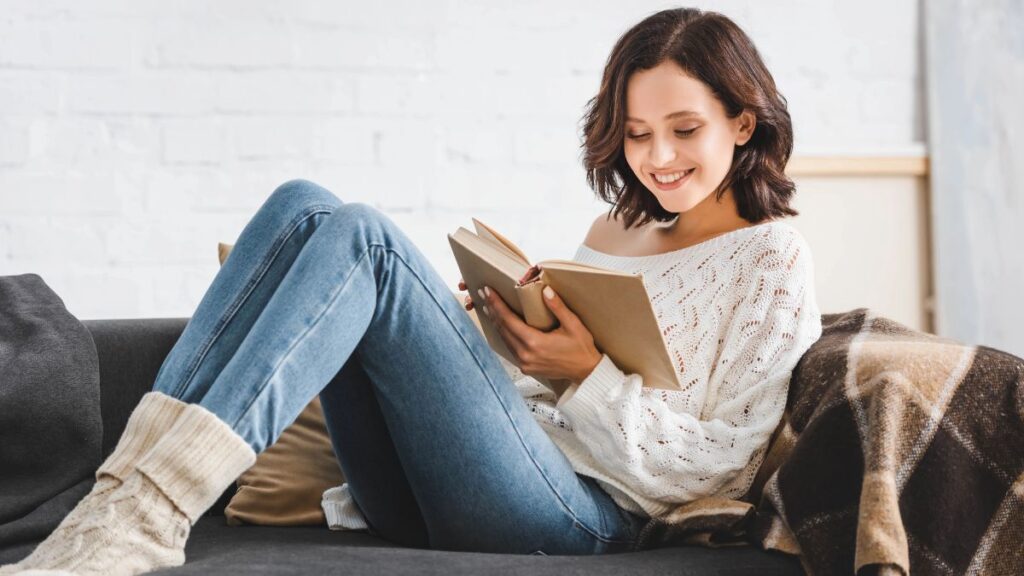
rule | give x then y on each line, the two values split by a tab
135	135
976	79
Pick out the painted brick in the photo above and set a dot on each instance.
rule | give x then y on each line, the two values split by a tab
135	134
146	93
70	45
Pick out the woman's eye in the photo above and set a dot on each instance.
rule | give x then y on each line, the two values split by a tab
679	132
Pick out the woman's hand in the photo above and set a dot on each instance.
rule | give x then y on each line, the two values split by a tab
467	301
566	353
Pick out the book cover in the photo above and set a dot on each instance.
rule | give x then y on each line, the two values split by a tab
612	304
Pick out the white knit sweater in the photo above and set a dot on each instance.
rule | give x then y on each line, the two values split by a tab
737	312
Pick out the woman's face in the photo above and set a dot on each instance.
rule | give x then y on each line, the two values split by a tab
677	129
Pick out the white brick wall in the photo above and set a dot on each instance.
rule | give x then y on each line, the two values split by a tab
136	134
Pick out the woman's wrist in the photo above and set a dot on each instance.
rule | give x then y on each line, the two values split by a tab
587	371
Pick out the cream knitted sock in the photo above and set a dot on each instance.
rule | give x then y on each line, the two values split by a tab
143	523
149	421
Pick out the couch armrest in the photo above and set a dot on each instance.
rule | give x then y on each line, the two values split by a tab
130	353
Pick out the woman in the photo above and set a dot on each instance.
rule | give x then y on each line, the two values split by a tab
444	444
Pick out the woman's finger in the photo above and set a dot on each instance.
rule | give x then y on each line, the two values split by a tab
566	317
510	321
501	315
511	342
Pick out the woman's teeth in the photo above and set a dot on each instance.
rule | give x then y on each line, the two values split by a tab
668	179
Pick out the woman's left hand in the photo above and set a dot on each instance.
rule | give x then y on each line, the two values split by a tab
567	352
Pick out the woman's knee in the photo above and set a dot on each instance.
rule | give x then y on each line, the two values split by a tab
299	194
364	218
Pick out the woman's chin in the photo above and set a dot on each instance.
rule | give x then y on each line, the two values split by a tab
678	205
679	202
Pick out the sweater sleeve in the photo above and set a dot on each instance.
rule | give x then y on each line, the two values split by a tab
675	456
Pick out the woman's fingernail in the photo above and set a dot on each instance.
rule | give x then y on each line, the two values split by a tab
487	310
480	293
487	290
548	292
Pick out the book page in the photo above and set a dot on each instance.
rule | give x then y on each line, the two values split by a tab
486	232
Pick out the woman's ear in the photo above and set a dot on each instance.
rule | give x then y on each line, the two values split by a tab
747	123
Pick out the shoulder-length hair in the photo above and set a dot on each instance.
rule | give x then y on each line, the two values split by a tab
713	49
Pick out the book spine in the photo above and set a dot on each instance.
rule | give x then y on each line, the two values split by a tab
535	312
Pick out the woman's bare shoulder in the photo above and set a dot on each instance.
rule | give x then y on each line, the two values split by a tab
607	234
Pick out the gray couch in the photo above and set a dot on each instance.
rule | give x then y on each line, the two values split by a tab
130	353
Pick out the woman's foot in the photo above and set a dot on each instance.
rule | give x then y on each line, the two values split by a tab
135	530
143	523
150	420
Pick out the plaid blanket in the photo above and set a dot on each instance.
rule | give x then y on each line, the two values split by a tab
900	451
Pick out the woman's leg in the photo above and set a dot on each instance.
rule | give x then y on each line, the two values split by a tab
248	279
262	256
485	475
366	453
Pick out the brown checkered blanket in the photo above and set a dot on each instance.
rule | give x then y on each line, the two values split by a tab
899	452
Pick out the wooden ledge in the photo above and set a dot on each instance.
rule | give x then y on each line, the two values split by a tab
857	166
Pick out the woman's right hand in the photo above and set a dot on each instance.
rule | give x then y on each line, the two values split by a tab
468	301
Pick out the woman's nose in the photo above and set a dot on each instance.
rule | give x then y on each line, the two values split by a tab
662	154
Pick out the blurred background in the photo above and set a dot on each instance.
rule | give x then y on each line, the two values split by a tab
136	134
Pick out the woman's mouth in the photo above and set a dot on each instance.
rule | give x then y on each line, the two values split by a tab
672	181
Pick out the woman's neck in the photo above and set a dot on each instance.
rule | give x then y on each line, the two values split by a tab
706	219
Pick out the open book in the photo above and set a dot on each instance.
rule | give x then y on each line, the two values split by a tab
613	305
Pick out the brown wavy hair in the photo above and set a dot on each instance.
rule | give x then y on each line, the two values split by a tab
713	49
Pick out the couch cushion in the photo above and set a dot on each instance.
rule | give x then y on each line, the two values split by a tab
215	548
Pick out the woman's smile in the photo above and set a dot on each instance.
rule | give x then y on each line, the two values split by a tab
671	181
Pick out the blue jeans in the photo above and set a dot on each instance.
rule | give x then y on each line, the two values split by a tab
438	447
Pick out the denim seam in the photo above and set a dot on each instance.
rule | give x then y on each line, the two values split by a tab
623	516
602	512
330	303
603	515
254	280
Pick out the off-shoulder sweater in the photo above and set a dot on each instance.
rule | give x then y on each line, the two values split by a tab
736	312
